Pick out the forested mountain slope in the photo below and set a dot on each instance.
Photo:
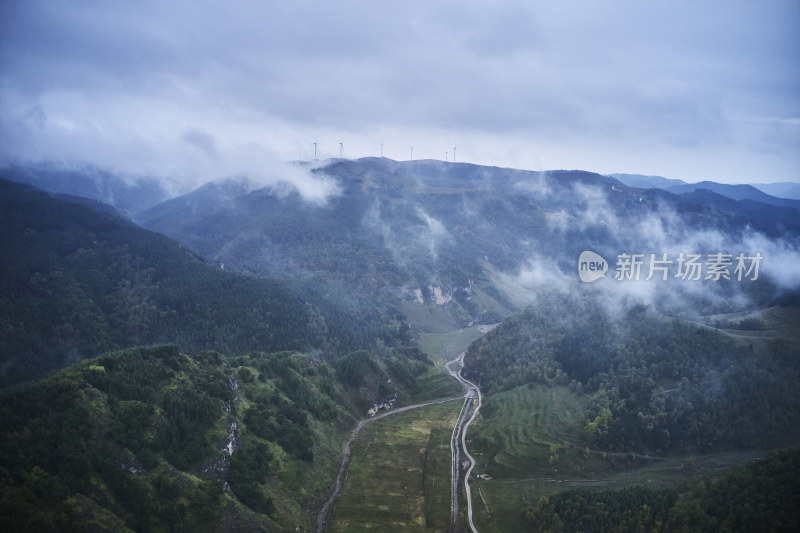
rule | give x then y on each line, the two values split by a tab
760	496
607	418
77	282
419	225
129	195
393	223
657	384
151	439
303	297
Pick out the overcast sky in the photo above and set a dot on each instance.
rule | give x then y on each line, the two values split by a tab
692	90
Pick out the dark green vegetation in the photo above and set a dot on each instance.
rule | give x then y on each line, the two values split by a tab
382	232
116	441
141	439
578	394
76	282
134	438
761	496
656	384
425	225
638	407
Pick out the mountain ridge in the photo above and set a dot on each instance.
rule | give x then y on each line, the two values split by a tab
319	304
429	223
78	281
779	194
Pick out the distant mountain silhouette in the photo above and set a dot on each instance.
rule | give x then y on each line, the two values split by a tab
736	192
786	189
127	194
647	182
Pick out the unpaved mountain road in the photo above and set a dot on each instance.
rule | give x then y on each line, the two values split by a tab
471	392
323	514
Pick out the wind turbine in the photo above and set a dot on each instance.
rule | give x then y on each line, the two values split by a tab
381	147
454	154
412	153
341	148
315	150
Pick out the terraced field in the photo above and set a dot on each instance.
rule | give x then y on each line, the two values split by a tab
519	426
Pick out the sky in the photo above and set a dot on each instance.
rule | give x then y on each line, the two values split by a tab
196	90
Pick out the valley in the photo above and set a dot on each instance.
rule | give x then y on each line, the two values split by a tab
414	353
528	444
414	267
404	439
347	450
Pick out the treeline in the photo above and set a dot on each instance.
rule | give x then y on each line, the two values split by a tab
656	383
77	282
760	496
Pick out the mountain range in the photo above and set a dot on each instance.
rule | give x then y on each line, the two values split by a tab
196	361
79	280
414	226
482	240
786	194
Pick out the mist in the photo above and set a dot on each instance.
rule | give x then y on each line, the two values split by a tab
613	220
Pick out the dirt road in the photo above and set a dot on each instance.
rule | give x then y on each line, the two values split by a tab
323	514
471	393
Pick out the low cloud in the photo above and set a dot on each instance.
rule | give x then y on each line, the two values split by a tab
285	178
591	219
536	185
594	205
558	221
543	274
201	140
180	158
433	234
781	262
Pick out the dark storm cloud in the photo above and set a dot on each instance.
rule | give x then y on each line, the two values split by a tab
693	90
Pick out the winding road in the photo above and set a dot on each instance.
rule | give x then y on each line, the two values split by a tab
459	434
323	514
473	393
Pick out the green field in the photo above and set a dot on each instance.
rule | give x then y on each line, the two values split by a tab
442	347
399	475
433	385
529	443
517	428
